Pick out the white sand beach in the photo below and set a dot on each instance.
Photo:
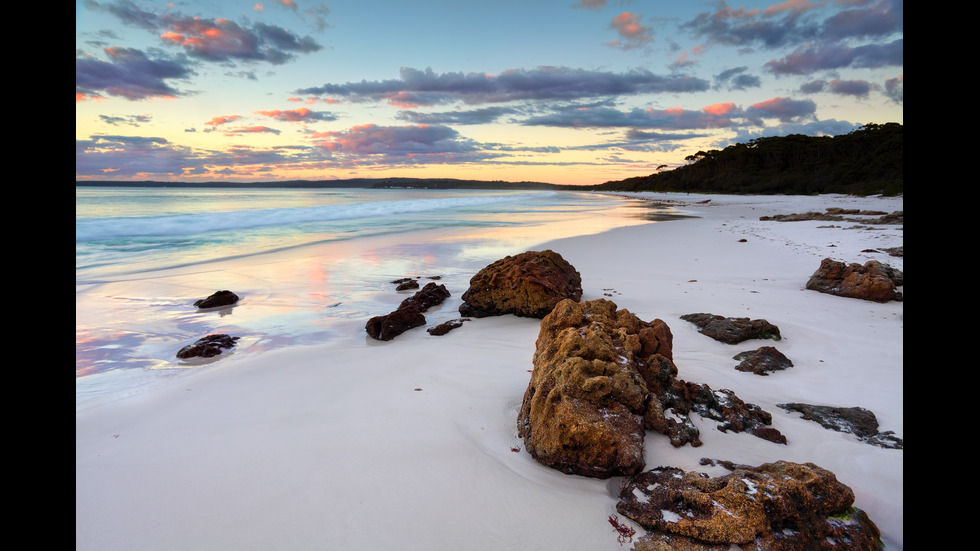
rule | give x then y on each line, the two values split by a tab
356	444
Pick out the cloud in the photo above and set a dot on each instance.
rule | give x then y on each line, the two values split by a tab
298	115
796	21
475	116
632	34
783	109
857	88
218	40
128	73
895	88
220	120
826	55
676	118
132	120
736	79
371	139
417	87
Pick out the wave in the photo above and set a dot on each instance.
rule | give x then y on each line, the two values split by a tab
190	224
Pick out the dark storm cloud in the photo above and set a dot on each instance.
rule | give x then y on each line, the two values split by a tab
417	87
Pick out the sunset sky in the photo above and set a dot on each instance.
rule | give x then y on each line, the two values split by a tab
559	91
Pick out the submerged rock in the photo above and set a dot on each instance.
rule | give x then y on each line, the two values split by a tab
873	281
776	506
207	347
732	330
529	284
220	298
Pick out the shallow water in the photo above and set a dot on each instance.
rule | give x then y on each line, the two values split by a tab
309	265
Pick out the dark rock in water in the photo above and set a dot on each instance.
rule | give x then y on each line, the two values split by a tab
762	360
446	327
854	420
780	506
529	284
220	298
429	296
408	315
405	284
389	326
207	347
734	414
873	281
732	330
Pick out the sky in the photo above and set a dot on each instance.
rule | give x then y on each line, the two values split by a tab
560	91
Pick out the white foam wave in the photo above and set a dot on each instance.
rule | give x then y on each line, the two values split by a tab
190	224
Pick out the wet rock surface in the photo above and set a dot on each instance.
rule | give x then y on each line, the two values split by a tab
529	284
207	347
775	506
872	281
409	313
219	298
858	421
446	326
732	330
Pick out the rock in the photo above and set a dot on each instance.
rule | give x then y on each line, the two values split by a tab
207	347
529	284
430	295
874	281
762	360
446	327
854	420
220	298
405	284
584	407
389	326
781	505
732	330
408	315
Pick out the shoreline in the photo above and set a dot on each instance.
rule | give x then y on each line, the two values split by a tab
365	445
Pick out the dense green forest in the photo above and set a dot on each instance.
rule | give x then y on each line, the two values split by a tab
866	161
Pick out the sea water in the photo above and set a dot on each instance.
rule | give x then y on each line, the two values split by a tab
310	265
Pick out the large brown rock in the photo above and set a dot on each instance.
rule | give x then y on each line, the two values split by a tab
529	284
776	506
873	281
583	411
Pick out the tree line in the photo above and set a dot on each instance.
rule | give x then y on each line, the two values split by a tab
867	161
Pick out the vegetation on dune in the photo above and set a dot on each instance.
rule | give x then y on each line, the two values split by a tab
866	161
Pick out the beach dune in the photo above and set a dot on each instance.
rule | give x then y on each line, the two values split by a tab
412	443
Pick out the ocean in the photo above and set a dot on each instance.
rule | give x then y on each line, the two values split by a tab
310	265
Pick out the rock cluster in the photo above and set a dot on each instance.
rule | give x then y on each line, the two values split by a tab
776	506
732	330
602	377
207	347
529	284
219	298
408	314
873	281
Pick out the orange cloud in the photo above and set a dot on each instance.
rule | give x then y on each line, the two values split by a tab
720	108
